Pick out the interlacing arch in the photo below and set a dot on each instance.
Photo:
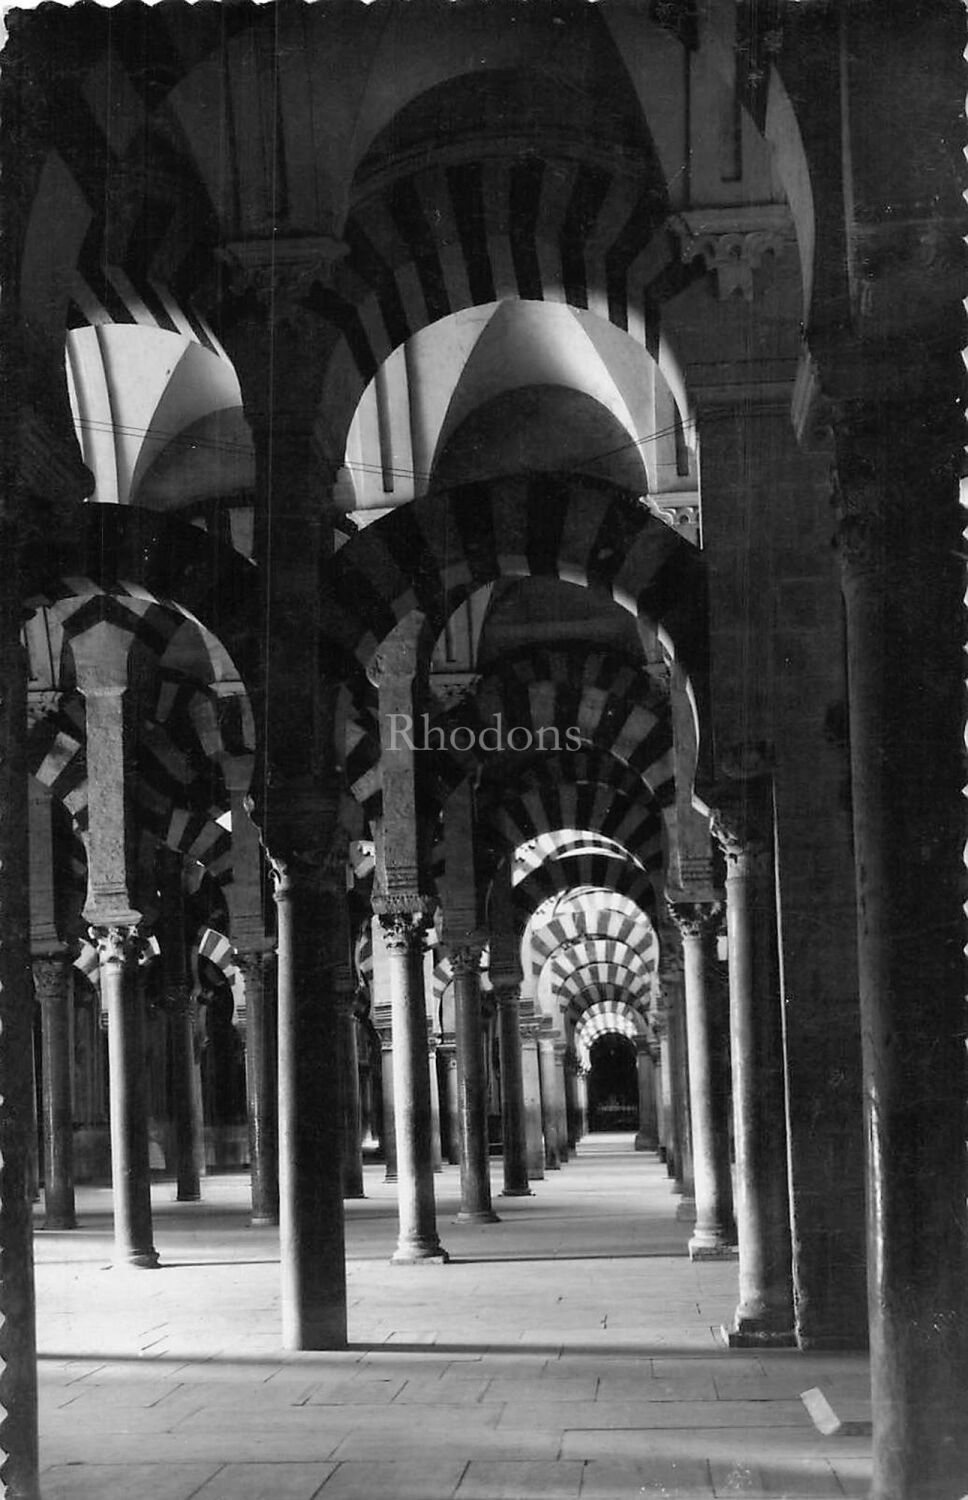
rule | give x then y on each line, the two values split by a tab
435	552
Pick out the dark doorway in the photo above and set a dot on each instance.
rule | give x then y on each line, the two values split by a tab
613	1098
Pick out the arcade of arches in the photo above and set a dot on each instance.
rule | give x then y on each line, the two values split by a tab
483	603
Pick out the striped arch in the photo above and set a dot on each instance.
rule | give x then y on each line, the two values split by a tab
620	922
560	842
613	936
435	552
577	996
563	876
187	732
534	227
598	703
606	1017
551	799
547	701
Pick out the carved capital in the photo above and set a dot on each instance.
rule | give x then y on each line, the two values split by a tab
732	244
51	978
741	823
280	274
696	919
115	945
403	931
465	958
506	991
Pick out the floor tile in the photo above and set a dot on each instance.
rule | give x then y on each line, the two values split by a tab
124	1481
502	1479
265	1482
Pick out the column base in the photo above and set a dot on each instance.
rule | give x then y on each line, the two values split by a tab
420	1253
354	1193
686	1210
701	1248
751	1337
264	1221
389	1176
646	1143
59	1222
477	1216
188	1197
137	1260
516	1193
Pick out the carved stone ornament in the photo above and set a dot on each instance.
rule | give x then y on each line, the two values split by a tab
696	919
280	273
403	930
115	945
739	827
731	252
465	958
50	979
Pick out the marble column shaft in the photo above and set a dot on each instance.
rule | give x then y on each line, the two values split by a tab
475	1176
403	934
261	1083
765	1313
513	1127
714	1235
53	987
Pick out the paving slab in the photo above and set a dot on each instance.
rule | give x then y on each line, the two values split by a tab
570	1350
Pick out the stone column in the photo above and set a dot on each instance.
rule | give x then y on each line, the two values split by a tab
388	1133
254	1000
475	1175
403	936
311	1235
570	1069
447	1052
182	1009
130	1173
349	1066
279	349
508	997
902	552
561	1103
101	666
714	1236
678	1074
183	1020
436	1148
260	1086
667	1144
646	1137
764	1315
550	1105
531	1093
52	986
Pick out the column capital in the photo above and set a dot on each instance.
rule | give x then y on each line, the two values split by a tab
403	927
695	919
465	957
302	835
741	822
117	944
506	991
51	972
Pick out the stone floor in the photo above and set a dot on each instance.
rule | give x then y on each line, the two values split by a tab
572	1350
